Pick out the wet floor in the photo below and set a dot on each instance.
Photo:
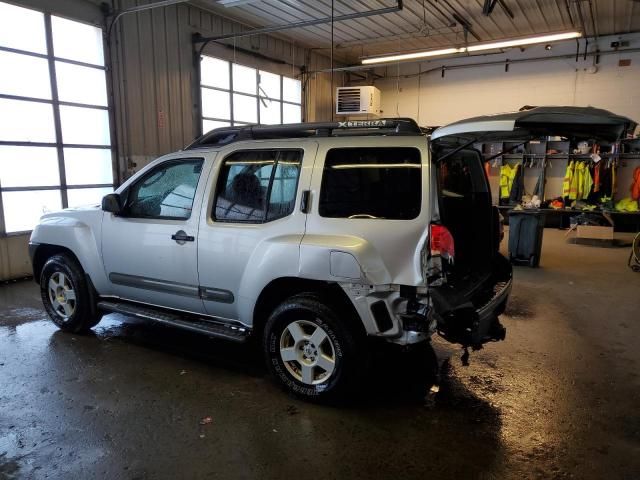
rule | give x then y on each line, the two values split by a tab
560	398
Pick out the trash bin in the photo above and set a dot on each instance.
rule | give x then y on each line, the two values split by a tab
525	237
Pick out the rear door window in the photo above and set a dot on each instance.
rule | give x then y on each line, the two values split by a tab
257	186
375	183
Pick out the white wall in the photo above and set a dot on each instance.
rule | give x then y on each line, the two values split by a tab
433	100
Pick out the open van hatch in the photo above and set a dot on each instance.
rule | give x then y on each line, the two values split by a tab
572	122
472	284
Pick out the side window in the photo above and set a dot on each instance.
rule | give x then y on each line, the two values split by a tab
371	183
166	192
257	186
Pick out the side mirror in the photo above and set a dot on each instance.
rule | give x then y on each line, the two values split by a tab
112	203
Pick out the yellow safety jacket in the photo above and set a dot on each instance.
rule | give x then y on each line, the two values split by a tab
507	174
577	181
568	177
583	181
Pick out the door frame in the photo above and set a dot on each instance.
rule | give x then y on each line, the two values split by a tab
241	309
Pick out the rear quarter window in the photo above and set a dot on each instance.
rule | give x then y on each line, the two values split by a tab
375	183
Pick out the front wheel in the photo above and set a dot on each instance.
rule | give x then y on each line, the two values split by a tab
65	295
312	350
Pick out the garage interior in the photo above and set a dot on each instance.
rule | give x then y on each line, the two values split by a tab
91	92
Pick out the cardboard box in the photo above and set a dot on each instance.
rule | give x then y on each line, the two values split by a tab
598	233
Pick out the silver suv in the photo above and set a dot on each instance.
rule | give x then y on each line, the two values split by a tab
312	238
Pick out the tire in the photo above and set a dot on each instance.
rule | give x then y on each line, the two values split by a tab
312	351
66	295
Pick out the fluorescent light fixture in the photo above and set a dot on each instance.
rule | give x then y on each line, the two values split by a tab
411	56
524	41
235	3
474	48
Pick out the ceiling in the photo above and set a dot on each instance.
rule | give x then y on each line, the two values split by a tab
424	24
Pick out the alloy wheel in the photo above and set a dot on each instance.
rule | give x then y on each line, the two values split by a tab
308	352
62	295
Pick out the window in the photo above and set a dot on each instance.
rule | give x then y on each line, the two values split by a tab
461	176
257	186
454	178
166	192
55	136
233	94
371	183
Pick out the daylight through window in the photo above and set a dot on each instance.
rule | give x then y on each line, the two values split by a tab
55	141
233	94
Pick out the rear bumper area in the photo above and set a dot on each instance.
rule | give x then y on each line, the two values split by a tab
471	319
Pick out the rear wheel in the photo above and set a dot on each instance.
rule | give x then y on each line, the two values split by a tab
65	295
311	349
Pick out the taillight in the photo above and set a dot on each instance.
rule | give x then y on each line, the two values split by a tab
442	243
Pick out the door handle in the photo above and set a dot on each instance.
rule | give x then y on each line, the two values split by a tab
304	204
181	237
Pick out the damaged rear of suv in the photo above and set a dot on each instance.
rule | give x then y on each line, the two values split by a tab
413	238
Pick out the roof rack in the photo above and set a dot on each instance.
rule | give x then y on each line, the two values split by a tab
385	126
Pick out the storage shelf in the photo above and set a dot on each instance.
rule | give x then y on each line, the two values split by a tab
568	210
551	167
565	156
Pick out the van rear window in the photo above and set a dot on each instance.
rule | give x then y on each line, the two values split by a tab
371	183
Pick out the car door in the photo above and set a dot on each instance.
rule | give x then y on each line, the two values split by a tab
150	250
253	224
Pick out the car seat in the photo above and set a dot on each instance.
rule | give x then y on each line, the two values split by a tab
246	190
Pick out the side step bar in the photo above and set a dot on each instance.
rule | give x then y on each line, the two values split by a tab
226	330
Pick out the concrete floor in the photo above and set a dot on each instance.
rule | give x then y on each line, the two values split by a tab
560	398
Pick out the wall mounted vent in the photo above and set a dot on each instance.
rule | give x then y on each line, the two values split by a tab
358	101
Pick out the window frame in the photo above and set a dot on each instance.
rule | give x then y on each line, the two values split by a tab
166	164
231	92
56	103
265	219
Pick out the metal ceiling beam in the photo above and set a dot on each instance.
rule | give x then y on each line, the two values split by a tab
489	5
462	20
235	3
305	23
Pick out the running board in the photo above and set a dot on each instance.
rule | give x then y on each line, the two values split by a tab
214	328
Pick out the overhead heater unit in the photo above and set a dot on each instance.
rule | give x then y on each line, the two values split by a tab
358	101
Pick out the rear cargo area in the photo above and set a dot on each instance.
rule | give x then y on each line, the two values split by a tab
466	210
478	271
